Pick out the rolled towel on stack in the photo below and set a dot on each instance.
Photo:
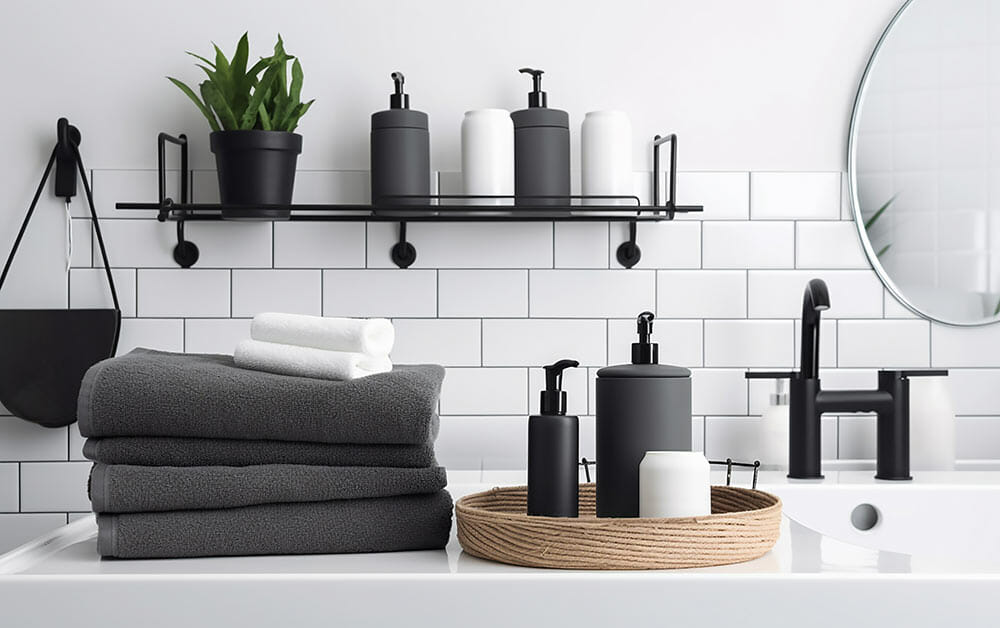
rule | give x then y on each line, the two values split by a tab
373	336
385	524
155	393
126	488
196	452
307	361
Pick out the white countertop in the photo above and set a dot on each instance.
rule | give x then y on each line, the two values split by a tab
448	587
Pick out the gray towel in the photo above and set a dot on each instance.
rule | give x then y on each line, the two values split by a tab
130	488
153	393
196	452
386	524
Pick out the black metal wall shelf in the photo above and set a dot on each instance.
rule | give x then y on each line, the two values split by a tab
434	208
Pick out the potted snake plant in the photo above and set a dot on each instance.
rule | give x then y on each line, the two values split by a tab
253	113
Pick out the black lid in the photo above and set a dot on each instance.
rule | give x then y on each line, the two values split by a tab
553	399
644	370
398	100
645	356
536	98
540	116
399	118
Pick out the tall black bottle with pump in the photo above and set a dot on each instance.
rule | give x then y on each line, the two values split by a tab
553	450
400	152
541	149
642	406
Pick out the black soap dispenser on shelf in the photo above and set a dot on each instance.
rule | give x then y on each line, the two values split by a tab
541	150
553	450
400	152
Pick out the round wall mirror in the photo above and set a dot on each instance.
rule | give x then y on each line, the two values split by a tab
924	159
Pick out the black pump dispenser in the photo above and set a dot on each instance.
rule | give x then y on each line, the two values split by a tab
553	398
399	99
541	150
643	406
644	351
553	450
400	152
536	98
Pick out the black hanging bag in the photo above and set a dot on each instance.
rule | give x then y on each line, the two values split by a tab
45	353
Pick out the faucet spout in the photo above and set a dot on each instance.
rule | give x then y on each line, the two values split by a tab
815	300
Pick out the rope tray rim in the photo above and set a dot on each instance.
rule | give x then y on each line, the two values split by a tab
493	525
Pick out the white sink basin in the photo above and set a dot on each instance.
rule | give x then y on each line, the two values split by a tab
937	515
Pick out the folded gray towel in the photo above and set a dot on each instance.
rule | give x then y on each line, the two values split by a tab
197	452
386	524
153	393
131	488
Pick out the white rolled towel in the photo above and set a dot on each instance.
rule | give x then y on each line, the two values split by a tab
374	336
308	362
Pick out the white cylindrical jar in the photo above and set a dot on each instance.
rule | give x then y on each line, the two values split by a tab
606	156
488	155
674	484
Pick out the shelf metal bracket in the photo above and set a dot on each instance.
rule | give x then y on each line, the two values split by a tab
185	252
629	253
403	253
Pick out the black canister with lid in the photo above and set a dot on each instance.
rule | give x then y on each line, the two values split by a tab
642	406
400	152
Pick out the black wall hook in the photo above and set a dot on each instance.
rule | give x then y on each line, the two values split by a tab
403	253
67	142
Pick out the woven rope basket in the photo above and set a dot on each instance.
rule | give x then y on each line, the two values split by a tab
493	525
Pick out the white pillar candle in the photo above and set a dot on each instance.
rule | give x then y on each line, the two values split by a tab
606	156
488	155
674	484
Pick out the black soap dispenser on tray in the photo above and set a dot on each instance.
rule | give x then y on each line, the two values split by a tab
643	406
553	450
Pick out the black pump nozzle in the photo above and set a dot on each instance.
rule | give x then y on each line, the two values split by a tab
553	397
644	351
399	100
536	98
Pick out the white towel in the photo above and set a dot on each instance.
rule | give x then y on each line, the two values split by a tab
373	336
308	362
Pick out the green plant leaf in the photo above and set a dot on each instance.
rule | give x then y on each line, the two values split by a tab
265	119
205	111
250	115
293	120
882	251
238	68
996	310
292	102
241	85
210	92
878	214
209	73
201	58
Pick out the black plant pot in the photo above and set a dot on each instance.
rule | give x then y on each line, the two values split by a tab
255	168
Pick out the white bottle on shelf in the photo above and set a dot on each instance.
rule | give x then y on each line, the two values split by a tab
606	157
488	155
772	446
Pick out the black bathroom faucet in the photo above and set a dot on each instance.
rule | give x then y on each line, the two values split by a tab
808	402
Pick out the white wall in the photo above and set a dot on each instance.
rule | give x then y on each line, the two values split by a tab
760	93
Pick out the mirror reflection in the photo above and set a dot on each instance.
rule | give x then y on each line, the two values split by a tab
925	159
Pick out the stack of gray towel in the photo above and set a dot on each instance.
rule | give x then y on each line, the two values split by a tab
195	456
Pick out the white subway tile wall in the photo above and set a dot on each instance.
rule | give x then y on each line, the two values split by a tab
494	302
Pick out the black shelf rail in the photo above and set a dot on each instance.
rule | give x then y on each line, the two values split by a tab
431	208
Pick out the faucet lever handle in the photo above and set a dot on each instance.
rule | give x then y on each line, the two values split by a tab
771	374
